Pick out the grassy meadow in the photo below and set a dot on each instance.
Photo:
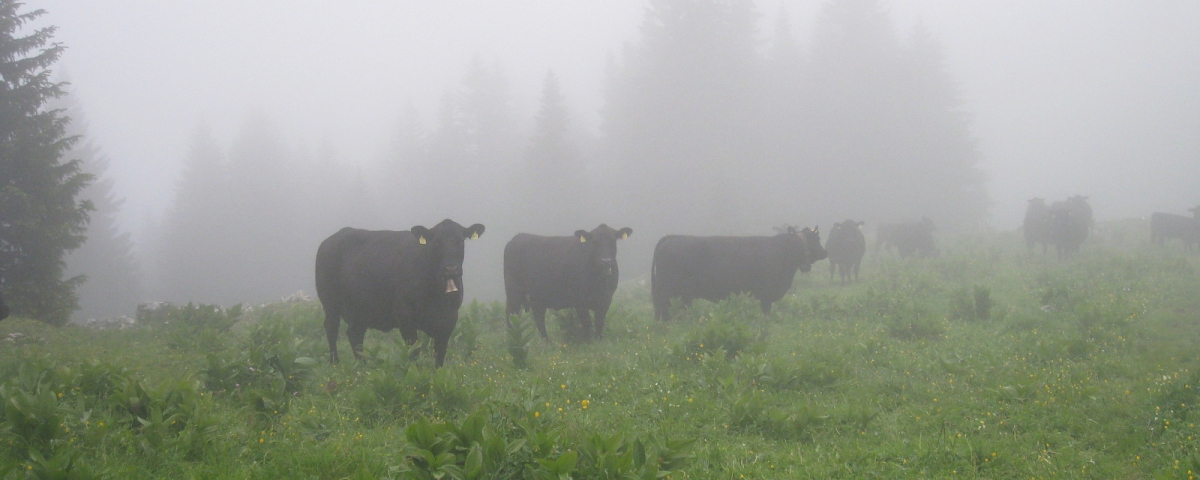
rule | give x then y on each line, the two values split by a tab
985	362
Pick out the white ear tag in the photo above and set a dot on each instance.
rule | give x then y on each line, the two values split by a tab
474	235
582	240
421	239
624	236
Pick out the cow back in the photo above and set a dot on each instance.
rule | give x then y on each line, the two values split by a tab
554	271
846	243
373	273
715	267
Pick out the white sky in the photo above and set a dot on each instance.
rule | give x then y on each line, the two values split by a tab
1092	97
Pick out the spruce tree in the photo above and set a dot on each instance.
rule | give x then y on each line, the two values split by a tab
41	218
106	258
552	185
188	266
680	116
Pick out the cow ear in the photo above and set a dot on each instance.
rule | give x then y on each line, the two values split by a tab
816	229
860	224
474	231
791	229
421	233
624	233
582	235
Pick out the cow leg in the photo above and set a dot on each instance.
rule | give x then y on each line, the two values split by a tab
766	307
514	304
662	307
832	268
539	319
600	314
356	332
585	323
410	338
332	322
440	343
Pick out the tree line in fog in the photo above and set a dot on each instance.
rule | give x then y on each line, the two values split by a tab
712	124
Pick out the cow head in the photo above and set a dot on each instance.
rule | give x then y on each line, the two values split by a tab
602	253
446	244
811	249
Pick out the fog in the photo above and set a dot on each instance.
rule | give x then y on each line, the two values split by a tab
345	115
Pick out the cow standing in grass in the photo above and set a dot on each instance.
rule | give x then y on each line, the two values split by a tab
410	280
713	268
1070	223
1037	224
845	248
908	238
1165	226
578	271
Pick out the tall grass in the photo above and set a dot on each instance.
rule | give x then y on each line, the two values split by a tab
985	362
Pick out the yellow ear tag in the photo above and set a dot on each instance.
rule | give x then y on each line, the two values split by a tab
624	236
582	240
421	239
474	235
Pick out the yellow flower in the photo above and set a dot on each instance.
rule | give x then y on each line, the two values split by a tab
537	414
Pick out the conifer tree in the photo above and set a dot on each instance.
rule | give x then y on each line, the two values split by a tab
107	258
552	184
41	217
188	266
680	113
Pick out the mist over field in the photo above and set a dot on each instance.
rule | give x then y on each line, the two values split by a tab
235	136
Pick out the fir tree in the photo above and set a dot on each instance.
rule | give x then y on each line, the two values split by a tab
188	267
107	258
680	114
552	184
41	218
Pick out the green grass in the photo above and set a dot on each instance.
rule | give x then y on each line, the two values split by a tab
986	362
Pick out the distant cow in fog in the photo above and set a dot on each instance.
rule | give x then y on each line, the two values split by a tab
714	268
410	280
1070	223
3	308
845	247
1037	224
577	272
1165	226
908	238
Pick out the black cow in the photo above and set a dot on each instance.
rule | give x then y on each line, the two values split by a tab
1070	222
1165	226
577	272
846	247
410	280
908	238
1037	224
714	268
3	308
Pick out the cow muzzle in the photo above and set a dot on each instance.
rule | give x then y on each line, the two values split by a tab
450	273
606	266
